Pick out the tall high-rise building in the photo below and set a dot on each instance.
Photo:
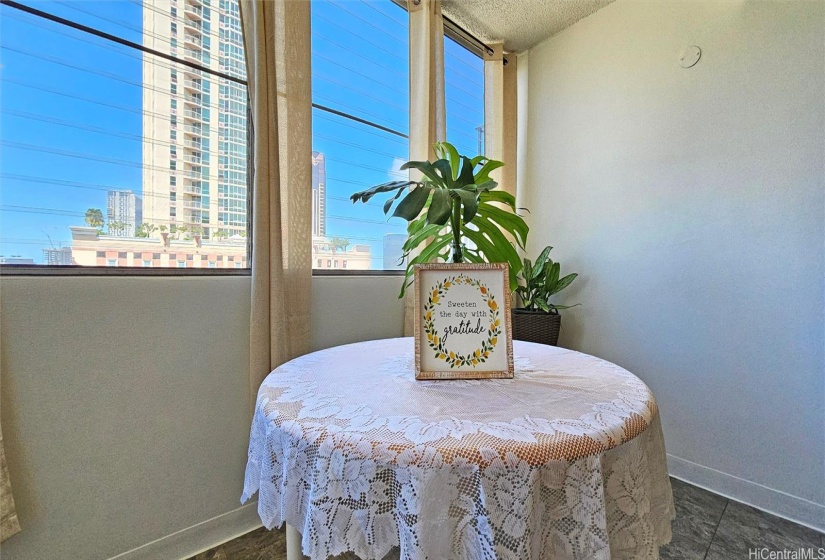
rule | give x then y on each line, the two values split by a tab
393	250
123	213
319	194
62	256
195	166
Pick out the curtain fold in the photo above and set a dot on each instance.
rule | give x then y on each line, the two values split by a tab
428	123
501	114
276	37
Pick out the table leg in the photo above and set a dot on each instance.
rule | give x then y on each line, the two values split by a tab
293	544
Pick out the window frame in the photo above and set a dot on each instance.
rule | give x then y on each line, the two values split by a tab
451	30
42	270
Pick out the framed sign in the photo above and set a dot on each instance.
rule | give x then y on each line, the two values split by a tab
462	321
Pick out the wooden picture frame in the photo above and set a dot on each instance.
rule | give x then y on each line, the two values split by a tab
462	321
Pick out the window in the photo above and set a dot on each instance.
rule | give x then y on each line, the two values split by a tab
106	149
464	93
360	67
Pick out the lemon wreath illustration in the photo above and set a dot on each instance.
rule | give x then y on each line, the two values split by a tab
478	355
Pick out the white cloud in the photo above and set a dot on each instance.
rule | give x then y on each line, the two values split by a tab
395	172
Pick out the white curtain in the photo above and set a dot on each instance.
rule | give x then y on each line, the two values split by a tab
501	114
428	123
277	42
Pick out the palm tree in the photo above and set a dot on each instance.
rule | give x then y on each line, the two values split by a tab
146	229
339	243
94	217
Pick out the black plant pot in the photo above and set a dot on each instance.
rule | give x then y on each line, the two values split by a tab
536	326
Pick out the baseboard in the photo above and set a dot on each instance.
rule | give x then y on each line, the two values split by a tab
793	508
198	538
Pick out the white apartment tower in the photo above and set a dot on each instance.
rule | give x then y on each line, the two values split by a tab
123	213
319	194
194	123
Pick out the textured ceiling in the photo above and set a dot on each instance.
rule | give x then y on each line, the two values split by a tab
521	24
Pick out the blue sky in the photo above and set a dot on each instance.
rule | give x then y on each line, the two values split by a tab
71	125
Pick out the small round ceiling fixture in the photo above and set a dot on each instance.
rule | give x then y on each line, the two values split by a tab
689	56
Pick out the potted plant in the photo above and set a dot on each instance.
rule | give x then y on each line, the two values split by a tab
454	202
538	320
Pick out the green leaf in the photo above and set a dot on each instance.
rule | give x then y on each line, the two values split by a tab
448	150
563	283
527	270
487	186
446	173
563	306
509	222
470	202
434	249
542	259
552	276
412	204
502	197
440	207
424	167
483	174
364	196
478	159
465	178
414	238
499	249
389	202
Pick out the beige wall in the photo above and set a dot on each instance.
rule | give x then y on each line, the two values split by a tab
691	203
124	412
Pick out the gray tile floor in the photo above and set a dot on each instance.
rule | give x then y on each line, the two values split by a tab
707	527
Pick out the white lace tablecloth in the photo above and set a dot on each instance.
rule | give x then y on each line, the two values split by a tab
566	460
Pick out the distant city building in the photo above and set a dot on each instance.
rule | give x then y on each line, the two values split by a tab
393	249
62	256
195	167
326	255
124	213
319	194
89	248
15	259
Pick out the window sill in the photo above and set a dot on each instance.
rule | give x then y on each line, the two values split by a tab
74	270
45	270
342	272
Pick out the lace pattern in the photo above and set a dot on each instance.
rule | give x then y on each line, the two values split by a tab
336	451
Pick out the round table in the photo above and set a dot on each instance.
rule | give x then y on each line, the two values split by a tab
565	460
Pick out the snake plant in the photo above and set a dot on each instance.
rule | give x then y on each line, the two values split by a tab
454	201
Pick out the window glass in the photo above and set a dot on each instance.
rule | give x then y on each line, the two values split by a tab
360	67
110	151
464	93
